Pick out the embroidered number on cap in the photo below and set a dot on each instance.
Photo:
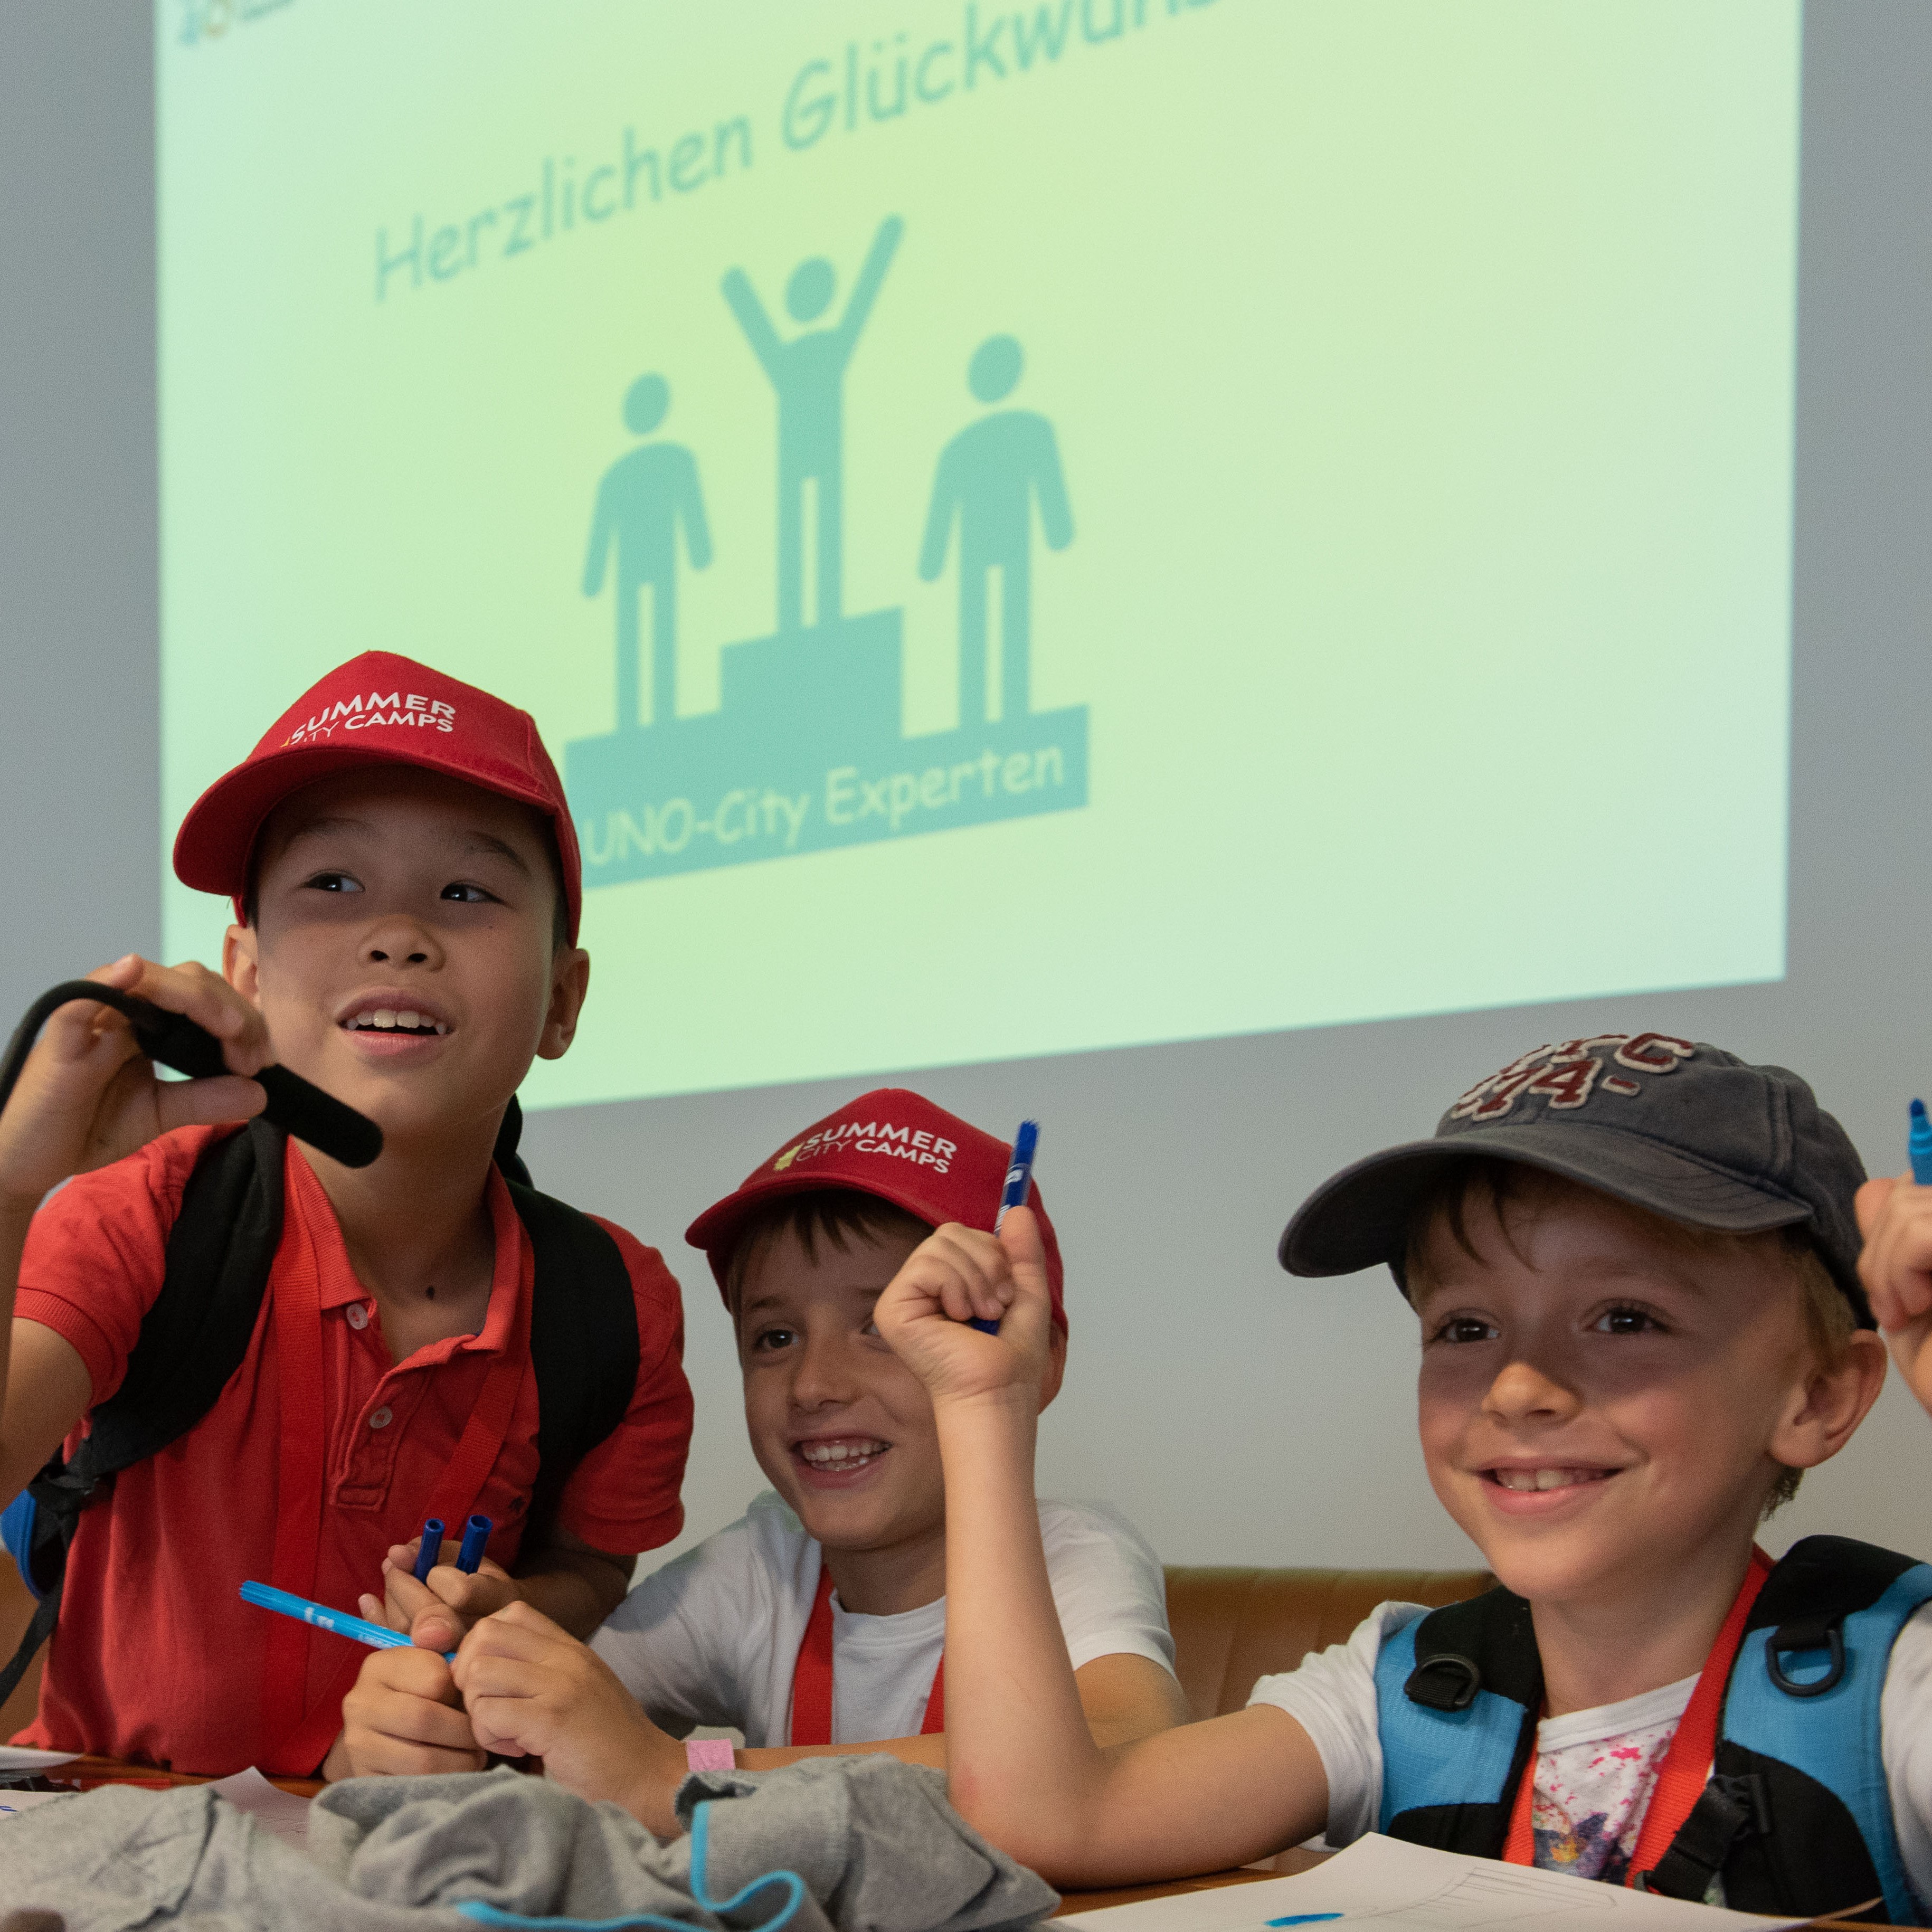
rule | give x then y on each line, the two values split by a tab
1567	1073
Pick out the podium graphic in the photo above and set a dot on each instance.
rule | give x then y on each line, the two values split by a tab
807	750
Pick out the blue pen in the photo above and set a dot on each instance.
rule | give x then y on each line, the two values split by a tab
1919	1145
337	1623
475	1539
1013	1193
431	1547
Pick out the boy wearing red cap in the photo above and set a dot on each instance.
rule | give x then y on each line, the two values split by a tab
407	890
816	1623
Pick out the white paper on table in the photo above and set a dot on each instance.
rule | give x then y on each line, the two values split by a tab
17	1757
13	1802
275	1810
1398	1887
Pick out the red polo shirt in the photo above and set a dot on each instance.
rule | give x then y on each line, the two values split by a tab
156	1657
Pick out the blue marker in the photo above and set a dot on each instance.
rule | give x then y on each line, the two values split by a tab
1919	1145
431	1548
1013	1193
1303	1918
475	1539
337	1623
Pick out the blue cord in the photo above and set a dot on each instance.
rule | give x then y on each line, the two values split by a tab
490	1915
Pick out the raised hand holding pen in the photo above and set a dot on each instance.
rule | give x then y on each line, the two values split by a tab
957	1277
1895	1218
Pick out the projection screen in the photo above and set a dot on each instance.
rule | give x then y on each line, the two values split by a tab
1026	528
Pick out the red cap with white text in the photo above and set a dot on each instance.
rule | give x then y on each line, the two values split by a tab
377	708
894	1143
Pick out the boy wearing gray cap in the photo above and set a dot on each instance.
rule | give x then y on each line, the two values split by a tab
1635	1259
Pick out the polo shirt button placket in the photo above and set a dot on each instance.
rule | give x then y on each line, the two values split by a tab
359	1315
381	1419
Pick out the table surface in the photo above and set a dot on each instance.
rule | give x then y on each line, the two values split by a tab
89	1772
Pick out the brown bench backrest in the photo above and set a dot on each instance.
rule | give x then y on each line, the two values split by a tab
1233	1625
1230	1625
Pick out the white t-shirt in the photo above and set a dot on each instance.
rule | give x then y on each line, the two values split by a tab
712	1637
1595	1769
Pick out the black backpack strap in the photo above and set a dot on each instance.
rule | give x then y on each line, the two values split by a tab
509	1134
193	1339
1731	1806
1484	1647
1488	1640
584	1339
195	1336
1817	1583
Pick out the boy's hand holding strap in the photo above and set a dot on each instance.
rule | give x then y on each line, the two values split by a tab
196	1025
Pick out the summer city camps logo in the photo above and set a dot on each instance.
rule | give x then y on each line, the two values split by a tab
807	750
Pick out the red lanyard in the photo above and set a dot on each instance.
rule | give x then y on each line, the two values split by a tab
812	1679
1686	1765
297	1734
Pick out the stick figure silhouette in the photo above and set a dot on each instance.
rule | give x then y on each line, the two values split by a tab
644	497
808	373
987	479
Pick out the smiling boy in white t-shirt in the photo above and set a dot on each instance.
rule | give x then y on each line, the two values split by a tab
816	1623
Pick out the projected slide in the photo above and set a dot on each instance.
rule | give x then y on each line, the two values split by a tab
1026	528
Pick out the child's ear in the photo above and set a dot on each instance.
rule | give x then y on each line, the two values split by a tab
569	987
1056	1364
1830	1404
241	962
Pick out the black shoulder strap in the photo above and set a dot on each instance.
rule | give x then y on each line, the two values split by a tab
584	1345
1486	1643
1819	1582
1492	1635
583	1324
193	1338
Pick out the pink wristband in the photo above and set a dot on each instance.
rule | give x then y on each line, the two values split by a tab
710	1754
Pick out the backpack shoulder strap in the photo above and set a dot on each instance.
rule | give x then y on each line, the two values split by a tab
193	1339
584	1346
1809	1825
1456	1696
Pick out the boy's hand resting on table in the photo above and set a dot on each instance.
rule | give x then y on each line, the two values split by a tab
1895	1217
958	1273
533	1691
87	1095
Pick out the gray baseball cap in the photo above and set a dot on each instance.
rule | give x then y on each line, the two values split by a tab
1685	1130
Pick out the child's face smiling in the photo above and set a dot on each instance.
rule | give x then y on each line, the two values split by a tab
841	1426
1604	1408
402	948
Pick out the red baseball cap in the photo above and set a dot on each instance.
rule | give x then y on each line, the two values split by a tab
894	1144
377	708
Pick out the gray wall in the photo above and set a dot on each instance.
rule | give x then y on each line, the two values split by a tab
1237	1415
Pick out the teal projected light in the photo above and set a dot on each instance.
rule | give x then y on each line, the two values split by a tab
1276	511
